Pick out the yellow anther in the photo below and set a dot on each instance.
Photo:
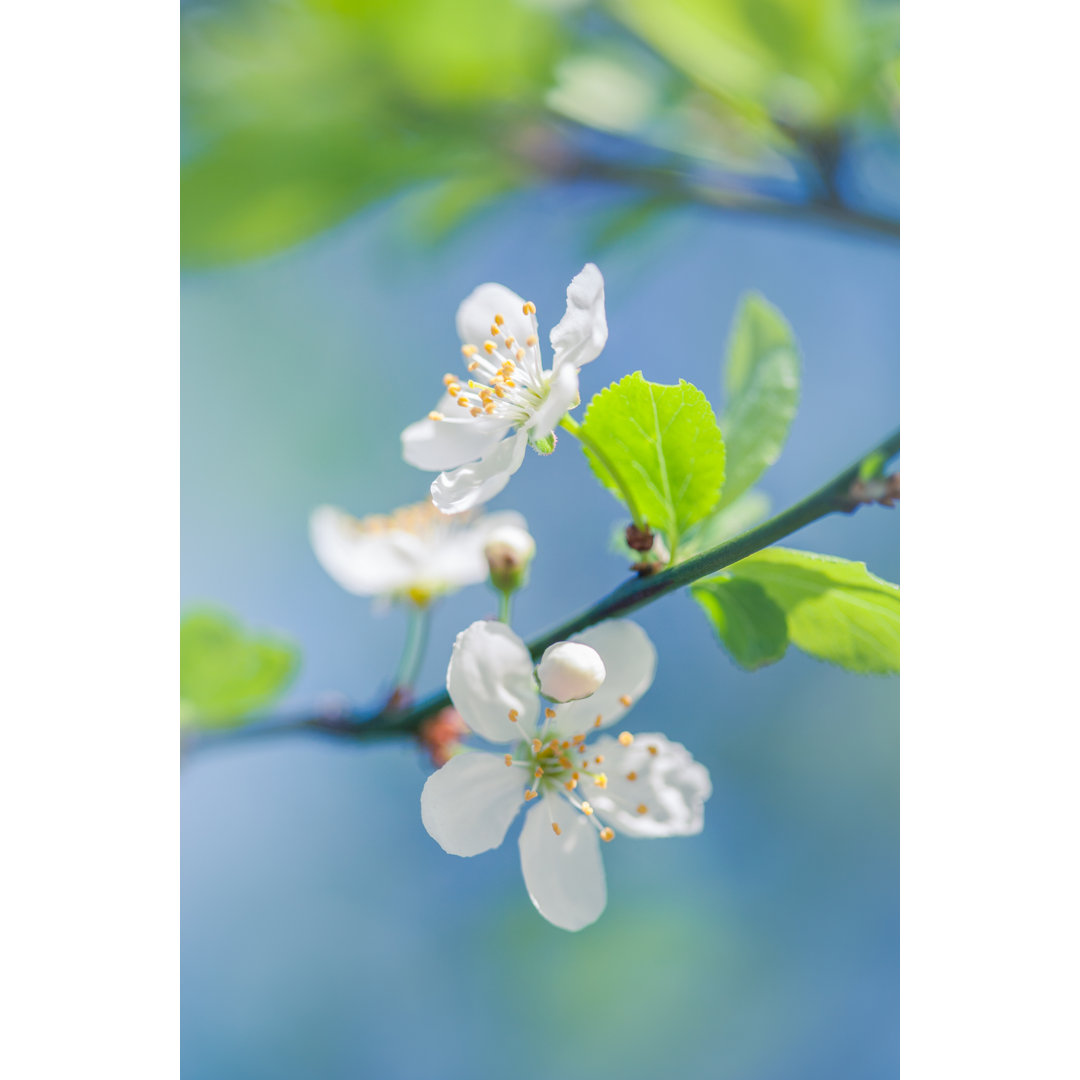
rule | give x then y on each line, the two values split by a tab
578	738
532	339
626	700
509	760
530	795
654	751
494	330
499	320
529	308
549	713
586	809
538	772
596	722
520	354
489	346
625	738
607	834
599	759
510	382
489	408
536	745
472	365
631	776
565	745
433	415
475	411
600	780
555	826
564	761
463	402
508	342
469	350
570	785
513	714
449	380
499	392
642	808
575	776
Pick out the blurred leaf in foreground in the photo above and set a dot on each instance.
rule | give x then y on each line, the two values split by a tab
227	671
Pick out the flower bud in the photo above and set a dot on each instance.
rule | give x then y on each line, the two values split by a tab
508	551
441	735
569	671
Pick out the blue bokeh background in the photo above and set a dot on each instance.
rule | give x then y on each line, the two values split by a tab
324	933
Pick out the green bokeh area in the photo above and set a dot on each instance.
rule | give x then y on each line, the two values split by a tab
324	933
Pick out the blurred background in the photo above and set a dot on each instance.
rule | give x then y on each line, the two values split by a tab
351	171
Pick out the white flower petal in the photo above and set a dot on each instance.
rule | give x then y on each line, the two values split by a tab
365	563
476	315
459	558
630	661
668	783
490	674
582	331
448	443
563	394
564	874
469	803
470	485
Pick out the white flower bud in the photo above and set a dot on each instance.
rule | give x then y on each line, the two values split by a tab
569	671
509	550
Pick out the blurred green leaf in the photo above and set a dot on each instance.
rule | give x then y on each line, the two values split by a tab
748	623
811	65
836	610
762	382
298	114
226	671
744	513
666	446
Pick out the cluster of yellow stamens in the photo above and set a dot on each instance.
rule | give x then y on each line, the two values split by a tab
567	763
419	519
507	367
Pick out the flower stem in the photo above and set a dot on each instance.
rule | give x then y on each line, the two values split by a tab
839	495
505	597
412	652
568	423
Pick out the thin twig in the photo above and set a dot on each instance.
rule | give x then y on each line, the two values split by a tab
839	495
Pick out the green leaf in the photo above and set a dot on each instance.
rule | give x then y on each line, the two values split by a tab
836	610
762	383
297	115
665	446
744	513
226	671
748	623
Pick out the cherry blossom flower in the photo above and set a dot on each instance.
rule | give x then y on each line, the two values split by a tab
586	789
415	554
476	436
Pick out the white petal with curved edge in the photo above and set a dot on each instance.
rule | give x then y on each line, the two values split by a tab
630	661
490	673
563	394
459	558
478	310
475	483
446	444
368	564
564	874
469	803
669	783
582	332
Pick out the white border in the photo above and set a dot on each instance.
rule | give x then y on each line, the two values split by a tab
89	444
990	891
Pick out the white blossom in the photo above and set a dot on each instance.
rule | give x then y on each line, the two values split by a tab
585	791
476	436
415	554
